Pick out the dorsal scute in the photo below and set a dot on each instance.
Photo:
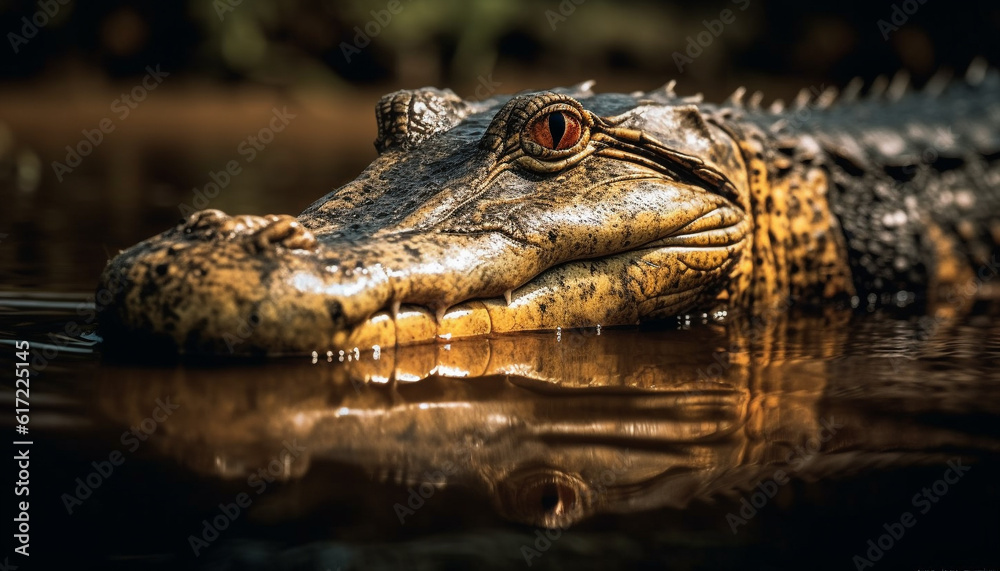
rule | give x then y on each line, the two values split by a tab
663	94
736	99
580	90
898	86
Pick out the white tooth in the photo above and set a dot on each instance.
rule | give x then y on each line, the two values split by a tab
439	313
506	296
395	308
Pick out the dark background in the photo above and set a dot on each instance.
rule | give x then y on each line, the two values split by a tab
231	65
226	75
451	42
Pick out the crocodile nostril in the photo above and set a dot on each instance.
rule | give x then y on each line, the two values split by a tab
204	222
284	230
204	218
161	270
256	232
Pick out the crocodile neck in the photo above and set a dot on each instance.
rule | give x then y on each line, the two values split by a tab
797	249
892	199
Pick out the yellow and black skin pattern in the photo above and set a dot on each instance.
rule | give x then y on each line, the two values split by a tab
567	208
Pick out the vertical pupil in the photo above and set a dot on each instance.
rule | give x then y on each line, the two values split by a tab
557	127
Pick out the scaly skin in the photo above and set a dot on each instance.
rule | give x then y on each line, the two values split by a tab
564	208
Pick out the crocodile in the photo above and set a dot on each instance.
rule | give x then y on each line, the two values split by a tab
567	208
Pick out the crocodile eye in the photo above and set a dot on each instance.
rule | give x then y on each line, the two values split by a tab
556	131
556	136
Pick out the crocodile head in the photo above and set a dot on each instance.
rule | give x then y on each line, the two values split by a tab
550	209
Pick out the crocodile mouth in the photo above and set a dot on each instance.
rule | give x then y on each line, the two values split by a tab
658	278
218	284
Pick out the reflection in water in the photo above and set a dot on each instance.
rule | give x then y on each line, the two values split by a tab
556	429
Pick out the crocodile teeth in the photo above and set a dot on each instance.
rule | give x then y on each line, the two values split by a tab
506	296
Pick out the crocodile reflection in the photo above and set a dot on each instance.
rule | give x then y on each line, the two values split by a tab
553	429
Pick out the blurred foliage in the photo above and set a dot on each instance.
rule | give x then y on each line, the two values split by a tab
456	41
230	61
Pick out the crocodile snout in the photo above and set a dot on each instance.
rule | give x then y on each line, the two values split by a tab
220	284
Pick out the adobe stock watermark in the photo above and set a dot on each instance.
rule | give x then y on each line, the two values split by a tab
486	87
212	528
417	496
898	17
766	489
244	329
545	538
924	500
363	36
104	469
247	148
122	107
566	9
434	480
47	10
697	44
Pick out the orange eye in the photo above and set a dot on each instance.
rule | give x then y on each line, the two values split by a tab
556	131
